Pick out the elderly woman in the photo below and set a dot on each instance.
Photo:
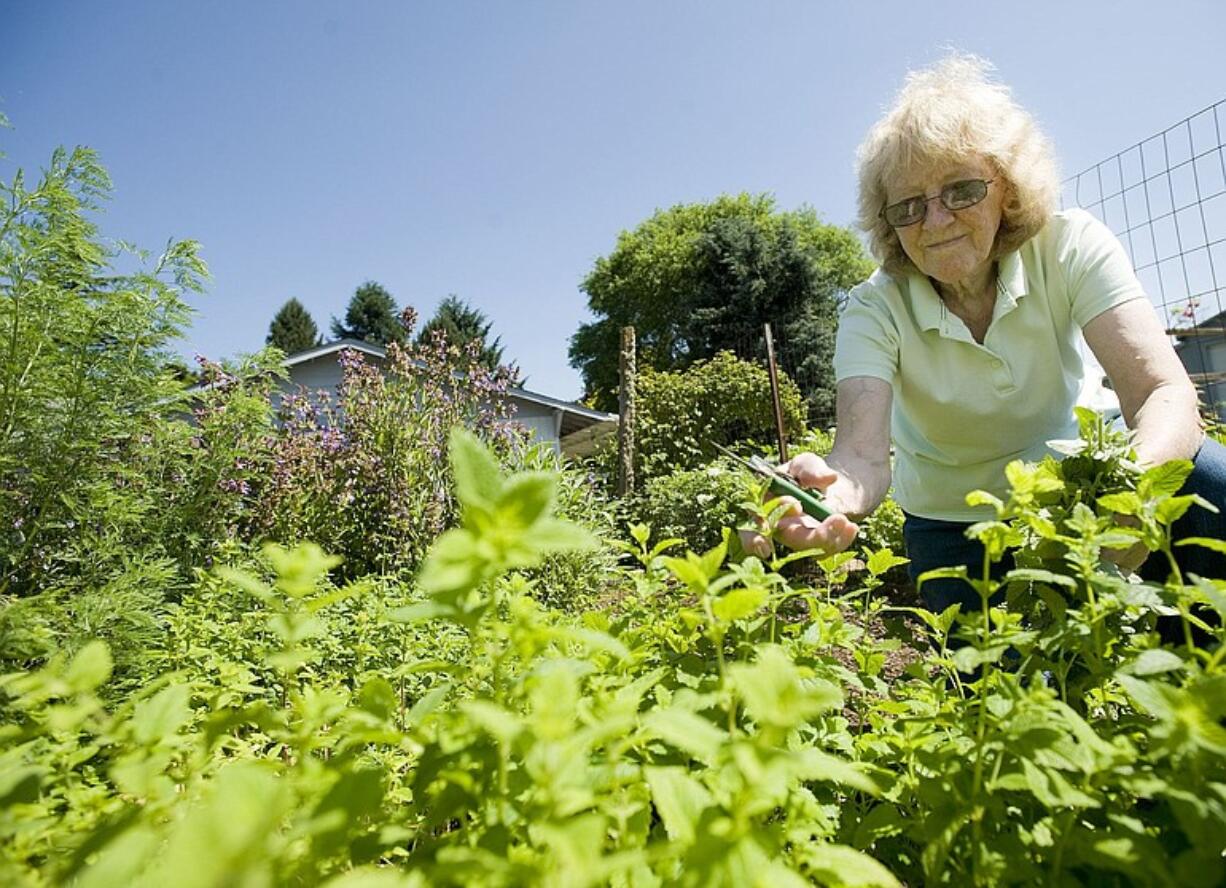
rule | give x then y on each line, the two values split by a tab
962	346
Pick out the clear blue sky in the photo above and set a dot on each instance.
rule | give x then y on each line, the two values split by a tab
495	149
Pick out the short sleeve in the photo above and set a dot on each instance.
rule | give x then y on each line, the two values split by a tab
867	340
1096	268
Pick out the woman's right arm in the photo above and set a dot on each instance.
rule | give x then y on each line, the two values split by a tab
854	478
861	452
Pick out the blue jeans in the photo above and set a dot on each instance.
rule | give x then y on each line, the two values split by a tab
932	544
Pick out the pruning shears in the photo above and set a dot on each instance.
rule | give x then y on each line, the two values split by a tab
783	484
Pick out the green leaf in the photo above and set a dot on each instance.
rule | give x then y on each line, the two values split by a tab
373	877
378	697
688	572
688	731
454	563
19	783
1206	542
526	497
300	569
679	799
551	535
882	821
713	558
1155	662
883	560
1153	698
1126	503
492	718
1164	480
426	705
968	659
478	479
983	498
160	717
1052	789
739	603
813	764
942	573
1171	510
774	692
418	613
1035	575
89	668
839	865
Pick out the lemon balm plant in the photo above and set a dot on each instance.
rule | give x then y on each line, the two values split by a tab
696	735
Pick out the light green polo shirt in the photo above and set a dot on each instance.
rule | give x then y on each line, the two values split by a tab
962	411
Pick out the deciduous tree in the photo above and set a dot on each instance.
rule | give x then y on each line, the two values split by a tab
699	278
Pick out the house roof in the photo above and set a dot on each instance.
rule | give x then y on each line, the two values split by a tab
1213	326
575	417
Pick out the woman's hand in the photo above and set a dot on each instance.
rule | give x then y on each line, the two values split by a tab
795	529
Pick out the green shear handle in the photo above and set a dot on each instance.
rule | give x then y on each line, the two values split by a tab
782	484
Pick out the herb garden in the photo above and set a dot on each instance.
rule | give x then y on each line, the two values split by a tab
383	640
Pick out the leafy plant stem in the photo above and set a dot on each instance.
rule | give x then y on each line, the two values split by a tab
982	717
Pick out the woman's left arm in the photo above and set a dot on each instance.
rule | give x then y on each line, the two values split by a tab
1157	398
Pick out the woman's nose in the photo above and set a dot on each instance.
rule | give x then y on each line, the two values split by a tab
937	216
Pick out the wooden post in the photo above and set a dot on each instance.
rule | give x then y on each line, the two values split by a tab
625	404
774	373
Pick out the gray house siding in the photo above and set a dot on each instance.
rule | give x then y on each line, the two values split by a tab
1202	349
1205	360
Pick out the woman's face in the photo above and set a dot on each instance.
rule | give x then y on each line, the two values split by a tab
950	246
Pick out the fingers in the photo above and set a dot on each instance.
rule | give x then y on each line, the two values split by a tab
810	470
755	544
802	531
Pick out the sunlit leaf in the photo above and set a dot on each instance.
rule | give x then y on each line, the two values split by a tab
89	668
478	479
679	799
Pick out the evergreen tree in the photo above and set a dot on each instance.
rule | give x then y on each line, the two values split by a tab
462	324
370	317
293	329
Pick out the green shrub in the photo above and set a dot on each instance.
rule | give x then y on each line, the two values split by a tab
694	505
81	368
722	401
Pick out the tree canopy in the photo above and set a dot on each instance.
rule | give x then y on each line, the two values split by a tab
699	278
462	324
293	329
370	317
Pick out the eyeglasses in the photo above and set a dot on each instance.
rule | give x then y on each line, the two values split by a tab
954	196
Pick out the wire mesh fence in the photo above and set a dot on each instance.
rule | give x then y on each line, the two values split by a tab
1165	198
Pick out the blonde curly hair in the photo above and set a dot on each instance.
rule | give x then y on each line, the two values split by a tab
948	113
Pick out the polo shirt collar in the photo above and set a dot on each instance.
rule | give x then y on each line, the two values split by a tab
930	311
927	302
1011	282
